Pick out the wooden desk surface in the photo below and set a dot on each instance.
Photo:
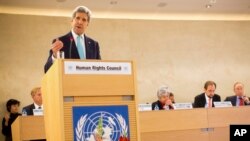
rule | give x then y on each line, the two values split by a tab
28	128
223	117
175	125
191	124
156	121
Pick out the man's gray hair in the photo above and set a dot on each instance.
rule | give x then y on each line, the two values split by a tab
163	91
82	9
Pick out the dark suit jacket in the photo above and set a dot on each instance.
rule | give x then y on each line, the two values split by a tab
233	100
92	49
200	100
29	109
157	103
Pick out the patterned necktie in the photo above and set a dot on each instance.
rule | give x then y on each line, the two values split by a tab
210	103
80	48
241	101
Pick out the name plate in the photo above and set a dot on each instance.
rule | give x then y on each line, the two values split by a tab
38	112
145	107
178	106
222	104
122	68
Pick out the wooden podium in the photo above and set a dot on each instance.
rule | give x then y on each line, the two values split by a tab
64	88
28	128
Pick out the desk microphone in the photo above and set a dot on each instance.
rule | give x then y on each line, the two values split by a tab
70	46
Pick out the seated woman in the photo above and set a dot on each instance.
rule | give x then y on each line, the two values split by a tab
163	102
12	106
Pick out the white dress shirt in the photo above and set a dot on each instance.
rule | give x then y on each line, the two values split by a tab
207	101
82	40
237	101
37	106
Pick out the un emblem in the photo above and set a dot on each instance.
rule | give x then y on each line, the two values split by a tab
101	123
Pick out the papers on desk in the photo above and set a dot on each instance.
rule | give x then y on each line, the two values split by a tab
222	104
38	112
179	106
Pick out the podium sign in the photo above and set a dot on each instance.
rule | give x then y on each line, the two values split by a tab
72	67
86	99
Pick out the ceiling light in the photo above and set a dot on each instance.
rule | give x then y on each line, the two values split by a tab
162	4
60	0
212	1
208	6
113	2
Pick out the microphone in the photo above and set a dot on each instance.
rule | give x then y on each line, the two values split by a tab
70	46
246	99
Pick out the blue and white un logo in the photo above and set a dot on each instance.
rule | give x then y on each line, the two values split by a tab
101	123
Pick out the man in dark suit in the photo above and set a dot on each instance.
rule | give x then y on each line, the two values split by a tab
38	104
239	99
37	101
75	44
207	98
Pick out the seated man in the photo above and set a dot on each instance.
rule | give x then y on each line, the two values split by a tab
207	98
37	99
163	102
239	99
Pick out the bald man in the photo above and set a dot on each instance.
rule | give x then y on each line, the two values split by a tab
207	98
239	99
